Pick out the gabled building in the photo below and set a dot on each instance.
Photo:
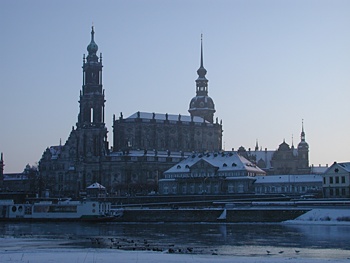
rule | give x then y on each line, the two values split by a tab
336	180
210	173
292	184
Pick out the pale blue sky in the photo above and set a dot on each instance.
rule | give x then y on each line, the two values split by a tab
270	64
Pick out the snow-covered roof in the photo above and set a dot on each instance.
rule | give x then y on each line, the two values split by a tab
318	169
345	166
266	156
15	177
96	186
315	178
224	161
55	151
162	117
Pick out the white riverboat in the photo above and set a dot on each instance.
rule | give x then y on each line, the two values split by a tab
62	210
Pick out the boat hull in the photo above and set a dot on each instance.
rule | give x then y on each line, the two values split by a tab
61	211
211	215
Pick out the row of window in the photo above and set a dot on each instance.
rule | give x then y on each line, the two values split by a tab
285	189
208	174
338	192
334	180
200	189
149	159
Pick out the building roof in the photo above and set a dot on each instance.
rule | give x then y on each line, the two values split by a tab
15	177
319	169
163	117
345	166
265	155
314	178
96	186
224	161
55	151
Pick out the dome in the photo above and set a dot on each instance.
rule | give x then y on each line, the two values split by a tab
92	47
201	72
202	102
303	144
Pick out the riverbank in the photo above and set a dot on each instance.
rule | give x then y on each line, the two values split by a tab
109	256
38	250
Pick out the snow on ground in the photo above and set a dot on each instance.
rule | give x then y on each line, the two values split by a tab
324	216
109	256
33	250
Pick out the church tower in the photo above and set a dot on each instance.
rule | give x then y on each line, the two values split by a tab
202	105
1	170
303	153
90	126
68	169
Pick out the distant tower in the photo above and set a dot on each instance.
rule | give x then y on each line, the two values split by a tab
1	170
90	126
303	152
202	105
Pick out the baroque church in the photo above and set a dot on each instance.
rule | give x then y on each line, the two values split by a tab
144	144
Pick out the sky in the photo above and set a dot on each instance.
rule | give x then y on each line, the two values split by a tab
271	64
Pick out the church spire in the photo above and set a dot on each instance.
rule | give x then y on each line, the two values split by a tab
92	47
302	135
202	71
303	152
202	51
202	105
1	169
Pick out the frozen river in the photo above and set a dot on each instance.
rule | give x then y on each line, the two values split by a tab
311	241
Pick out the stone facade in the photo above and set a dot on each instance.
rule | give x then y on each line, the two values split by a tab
166	132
